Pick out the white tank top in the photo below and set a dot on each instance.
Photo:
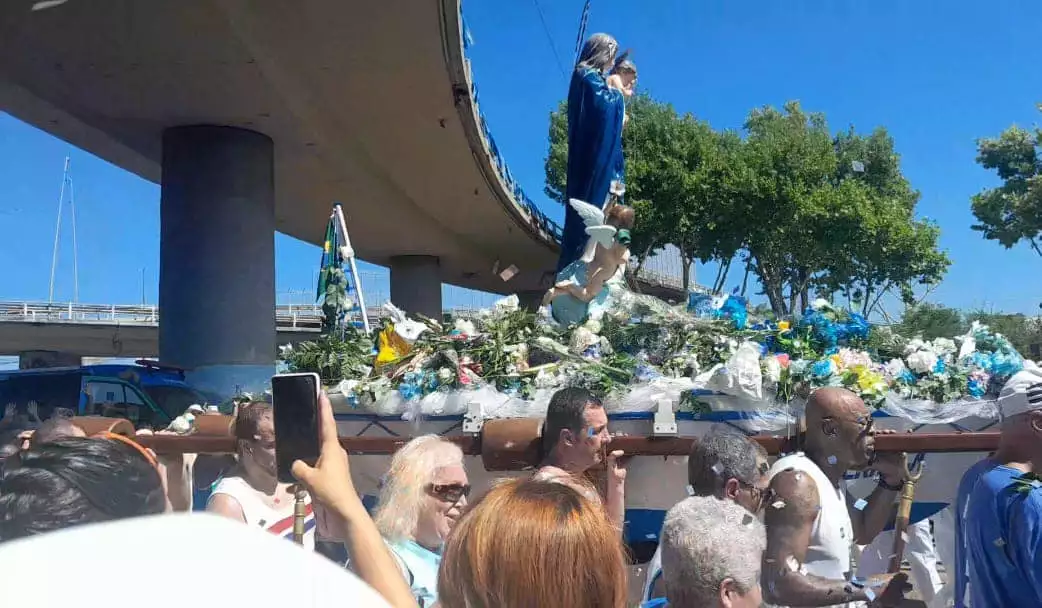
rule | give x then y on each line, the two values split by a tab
828	555
258	513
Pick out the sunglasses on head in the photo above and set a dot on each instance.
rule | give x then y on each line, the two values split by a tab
450	492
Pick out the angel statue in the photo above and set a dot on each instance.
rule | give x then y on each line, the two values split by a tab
583	287
595	116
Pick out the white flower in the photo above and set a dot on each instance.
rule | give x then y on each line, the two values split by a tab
772	368
465	327
820	304
582	339
914	345
894	367
943	346
851	358
285	350
445	375
923	361
593	325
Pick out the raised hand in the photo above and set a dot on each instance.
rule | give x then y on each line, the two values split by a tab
329	481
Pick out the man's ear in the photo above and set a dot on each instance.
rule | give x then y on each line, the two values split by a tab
566	437
1036	421
728	593
731	487
829	427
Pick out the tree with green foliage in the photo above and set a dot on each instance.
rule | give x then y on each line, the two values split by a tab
833	214
888	249
1012	212
929	321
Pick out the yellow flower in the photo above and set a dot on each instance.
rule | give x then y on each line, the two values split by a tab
837	361
868	380
783	326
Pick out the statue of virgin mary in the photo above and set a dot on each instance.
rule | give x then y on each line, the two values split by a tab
595	116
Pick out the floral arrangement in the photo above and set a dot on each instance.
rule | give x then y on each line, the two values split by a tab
518	354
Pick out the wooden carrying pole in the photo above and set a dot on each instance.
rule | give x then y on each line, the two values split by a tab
514	444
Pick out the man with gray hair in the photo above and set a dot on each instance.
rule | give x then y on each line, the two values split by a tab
711	555
998	534
726	465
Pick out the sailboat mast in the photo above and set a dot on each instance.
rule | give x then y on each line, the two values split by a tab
57	229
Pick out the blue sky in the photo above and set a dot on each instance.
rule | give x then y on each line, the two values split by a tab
937	75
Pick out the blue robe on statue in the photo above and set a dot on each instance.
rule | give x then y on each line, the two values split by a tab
595	158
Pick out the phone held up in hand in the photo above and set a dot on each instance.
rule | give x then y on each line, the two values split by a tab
295	405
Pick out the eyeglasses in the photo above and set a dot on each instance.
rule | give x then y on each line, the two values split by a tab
761	496
451	492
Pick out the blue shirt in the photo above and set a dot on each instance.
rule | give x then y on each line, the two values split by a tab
420	568
998	540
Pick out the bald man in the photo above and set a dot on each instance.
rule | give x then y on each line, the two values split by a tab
812	523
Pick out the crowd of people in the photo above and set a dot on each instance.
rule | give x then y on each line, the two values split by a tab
749	533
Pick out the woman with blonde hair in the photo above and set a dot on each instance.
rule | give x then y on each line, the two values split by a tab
532	544
421	498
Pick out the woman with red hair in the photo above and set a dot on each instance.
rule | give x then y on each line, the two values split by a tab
530	544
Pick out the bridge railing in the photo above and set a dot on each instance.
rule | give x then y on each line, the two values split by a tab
287	316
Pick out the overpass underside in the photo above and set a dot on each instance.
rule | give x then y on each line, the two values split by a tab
367	103
255	117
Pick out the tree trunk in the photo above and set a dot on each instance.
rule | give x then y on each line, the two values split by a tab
686	279
772	287
719	287
745	279
643	258
804	290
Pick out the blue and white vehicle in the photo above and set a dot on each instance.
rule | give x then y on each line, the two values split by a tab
146	393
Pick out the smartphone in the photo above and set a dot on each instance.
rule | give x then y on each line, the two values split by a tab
295	405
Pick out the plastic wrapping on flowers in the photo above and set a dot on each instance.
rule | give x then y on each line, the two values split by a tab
701	357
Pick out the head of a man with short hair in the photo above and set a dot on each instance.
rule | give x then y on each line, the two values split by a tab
575	434
711	555
1020	405
731	466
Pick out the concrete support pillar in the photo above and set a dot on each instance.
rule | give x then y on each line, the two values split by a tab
39	359
217	257
416	284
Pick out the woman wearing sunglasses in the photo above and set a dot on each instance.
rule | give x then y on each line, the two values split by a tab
422	497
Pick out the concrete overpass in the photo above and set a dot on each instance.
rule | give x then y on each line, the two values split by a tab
66	332
254	117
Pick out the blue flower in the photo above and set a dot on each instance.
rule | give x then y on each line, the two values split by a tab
976	388
940	367
409	392
1004	364
906	376
822	369
858	326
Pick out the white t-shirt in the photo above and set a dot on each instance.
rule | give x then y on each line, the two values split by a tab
831	539
278	521
172	561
